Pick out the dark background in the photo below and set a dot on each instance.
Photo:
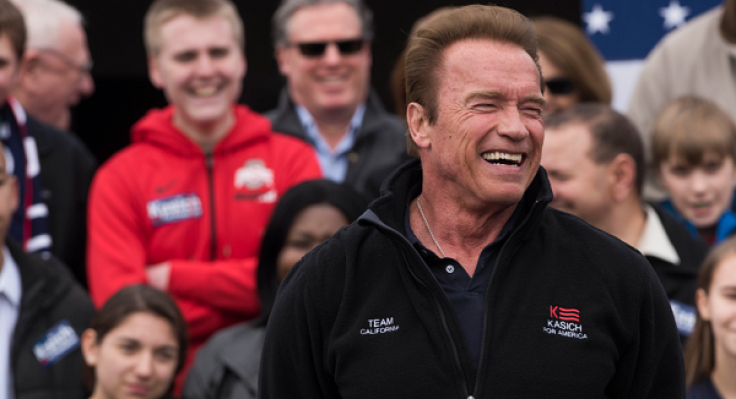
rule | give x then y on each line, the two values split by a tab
123	92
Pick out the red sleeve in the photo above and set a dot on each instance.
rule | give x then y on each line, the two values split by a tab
301	164
228	285
115	245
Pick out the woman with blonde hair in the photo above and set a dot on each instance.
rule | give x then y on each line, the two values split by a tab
710	354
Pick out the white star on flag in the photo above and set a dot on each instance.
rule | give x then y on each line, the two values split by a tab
598	20
674	15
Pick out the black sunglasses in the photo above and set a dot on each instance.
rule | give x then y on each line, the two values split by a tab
560	86
316	49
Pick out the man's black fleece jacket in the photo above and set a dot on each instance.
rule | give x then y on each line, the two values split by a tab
571	312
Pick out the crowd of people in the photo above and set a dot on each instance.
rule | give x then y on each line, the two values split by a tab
505	233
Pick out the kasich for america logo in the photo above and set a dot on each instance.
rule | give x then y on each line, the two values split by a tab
564	322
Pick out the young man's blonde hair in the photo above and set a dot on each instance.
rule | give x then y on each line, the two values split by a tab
691	127
163	11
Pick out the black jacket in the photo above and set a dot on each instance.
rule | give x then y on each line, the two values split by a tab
679	281
379	148
362	316
49	296
67	168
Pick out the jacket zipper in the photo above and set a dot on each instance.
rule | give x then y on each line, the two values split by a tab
446	327
210	161
488	291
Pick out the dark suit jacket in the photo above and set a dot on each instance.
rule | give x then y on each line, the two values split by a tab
67	167
379	148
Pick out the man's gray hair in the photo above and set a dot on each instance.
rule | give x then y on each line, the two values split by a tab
44	19
288	7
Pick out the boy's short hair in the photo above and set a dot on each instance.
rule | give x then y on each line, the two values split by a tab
163	11
690	127
13	26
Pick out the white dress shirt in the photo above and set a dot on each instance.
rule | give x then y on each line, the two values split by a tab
654	240
10	293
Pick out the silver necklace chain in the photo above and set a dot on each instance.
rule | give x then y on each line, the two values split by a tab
429	229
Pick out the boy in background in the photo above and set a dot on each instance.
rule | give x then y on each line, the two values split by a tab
694	154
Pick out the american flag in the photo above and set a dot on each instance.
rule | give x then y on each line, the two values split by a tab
624	31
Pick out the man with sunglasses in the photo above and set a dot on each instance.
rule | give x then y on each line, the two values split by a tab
323	50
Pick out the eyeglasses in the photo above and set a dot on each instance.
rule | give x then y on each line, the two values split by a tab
316	49
82	69
560	86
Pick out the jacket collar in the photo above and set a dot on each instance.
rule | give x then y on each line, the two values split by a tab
389	210
286	120
40	286
158	129
654	240
244	344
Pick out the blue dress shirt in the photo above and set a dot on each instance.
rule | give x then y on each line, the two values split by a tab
334	162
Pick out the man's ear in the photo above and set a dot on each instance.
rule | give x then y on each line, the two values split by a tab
622	175
367	48
281	55
416	119
29	68
90	347
154	73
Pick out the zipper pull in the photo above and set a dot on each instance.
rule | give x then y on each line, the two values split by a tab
209	159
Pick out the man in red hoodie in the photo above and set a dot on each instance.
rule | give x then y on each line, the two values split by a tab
184	206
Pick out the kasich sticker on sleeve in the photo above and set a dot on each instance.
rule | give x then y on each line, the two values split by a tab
55	344
174	209
685	316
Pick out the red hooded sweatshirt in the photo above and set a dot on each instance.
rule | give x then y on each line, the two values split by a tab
163	200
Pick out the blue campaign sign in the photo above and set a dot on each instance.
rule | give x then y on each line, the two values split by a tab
629	29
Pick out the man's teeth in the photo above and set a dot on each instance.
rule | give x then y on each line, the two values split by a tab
332	79
497	156
205	91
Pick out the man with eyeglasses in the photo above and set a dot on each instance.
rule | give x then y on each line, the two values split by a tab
42	310
323	49
53	74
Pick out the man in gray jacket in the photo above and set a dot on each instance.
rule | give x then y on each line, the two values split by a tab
323	50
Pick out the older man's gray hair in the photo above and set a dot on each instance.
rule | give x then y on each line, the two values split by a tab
44	18
288	7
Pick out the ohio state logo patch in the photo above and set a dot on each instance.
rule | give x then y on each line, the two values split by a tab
253	175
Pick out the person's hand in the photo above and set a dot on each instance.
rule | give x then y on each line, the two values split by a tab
158	275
